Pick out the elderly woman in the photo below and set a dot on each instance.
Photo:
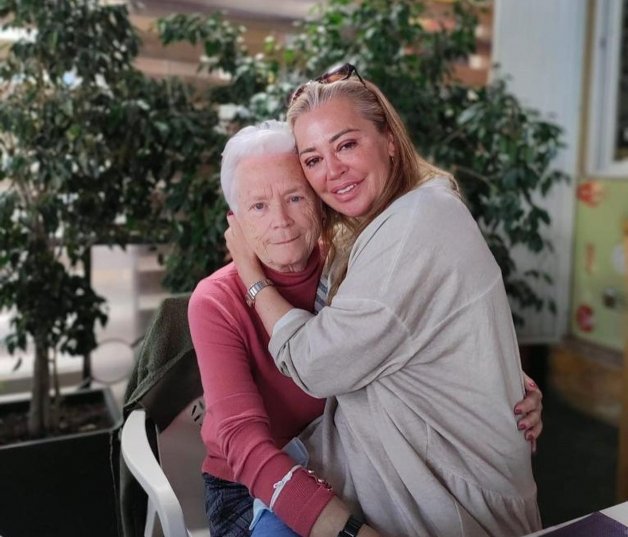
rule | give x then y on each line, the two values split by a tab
417	347
252	409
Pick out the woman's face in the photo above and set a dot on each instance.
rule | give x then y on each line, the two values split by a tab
344	157
279	213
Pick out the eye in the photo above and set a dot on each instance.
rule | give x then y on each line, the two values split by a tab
295	198
311	162
259	206
349	144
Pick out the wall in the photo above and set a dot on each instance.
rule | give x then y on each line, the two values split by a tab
539	46
599	296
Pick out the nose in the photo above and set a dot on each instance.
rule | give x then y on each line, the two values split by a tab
335	167
281	215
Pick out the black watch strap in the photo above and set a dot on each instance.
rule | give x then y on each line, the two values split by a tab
351	528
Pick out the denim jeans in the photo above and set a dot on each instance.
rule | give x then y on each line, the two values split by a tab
229	507
269	525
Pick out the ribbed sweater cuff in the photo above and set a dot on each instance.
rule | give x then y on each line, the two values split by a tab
301	502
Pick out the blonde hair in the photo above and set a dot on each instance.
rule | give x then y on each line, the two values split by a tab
408	170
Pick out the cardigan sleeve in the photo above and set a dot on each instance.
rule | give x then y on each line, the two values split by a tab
359	337
408	274
238	421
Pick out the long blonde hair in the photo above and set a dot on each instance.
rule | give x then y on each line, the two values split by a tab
408	170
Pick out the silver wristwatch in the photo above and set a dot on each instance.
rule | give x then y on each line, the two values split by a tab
254	289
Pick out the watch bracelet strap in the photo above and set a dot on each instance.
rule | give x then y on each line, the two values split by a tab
352	527
252	291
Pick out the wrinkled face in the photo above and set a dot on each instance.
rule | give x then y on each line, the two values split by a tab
344	157
279	213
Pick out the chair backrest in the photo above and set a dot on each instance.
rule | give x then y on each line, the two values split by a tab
164	395
171	477
181	453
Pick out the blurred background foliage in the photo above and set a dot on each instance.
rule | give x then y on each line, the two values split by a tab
88	147
500	151
93	151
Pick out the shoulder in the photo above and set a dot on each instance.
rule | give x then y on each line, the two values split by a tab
435	198
428	226
216	290
424	213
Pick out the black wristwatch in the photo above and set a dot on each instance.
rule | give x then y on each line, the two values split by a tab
351	528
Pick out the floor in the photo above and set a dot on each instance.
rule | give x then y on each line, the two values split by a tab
575	464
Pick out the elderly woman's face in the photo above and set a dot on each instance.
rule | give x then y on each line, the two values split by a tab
279	213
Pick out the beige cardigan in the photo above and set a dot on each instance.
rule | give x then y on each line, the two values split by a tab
419	357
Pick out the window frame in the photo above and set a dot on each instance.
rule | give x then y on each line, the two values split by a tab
604	88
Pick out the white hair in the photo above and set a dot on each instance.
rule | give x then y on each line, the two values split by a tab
266	138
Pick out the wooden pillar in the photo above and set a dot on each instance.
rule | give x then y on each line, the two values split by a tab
622	462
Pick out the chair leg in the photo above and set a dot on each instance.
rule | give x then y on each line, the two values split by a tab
150	530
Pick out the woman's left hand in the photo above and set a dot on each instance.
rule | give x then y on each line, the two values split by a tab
247	263
528	412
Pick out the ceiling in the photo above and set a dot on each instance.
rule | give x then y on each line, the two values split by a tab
273	9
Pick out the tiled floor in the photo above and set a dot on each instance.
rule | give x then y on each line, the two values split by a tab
575	466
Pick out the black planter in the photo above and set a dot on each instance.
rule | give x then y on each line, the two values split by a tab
60	486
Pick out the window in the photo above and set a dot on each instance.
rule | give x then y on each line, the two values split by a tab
607	154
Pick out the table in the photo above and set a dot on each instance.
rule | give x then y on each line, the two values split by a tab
617	512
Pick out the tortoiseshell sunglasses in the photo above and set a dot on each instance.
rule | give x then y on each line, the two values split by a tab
342	72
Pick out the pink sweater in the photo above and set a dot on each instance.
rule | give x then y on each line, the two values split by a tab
252	410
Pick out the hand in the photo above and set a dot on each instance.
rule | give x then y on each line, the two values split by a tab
247	263
528	412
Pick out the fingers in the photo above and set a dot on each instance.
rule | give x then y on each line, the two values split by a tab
528	412
531	422
529	384
231	232
531	402
532	435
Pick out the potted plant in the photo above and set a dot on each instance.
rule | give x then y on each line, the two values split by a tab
85	140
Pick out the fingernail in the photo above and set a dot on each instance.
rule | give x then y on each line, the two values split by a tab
229	212
532	383
517	410
521	426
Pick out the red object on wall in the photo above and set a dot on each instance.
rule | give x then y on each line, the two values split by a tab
590	193
585	318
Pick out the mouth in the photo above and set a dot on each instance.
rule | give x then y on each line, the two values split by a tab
345	189
287	241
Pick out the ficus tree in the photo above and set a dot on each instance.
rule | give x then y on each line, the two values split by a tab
500	151
87	142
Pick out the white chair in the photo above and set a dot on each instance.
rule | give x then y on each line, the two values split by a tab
173	481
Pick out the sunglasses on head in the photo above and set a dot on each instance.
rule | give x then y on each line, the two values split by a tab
341	72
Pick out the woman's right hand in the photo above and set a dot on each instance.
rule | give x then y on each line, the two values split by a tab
244	258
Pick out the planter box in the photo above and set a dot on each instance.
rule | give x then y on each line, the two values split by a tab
61	486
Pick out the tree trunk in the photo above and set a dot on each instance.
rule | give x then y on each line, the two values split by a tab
39	412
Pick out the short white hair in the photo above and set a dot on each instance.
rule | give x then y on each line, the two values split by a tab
266	138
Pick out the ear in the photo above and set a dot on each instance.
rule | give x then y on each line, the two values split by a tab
391	146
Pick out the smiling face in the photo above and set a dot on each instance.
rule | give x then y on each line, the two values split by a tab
279	213
344	157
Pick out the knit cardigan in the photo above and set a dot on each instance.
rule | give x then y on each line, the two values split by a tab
419	357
